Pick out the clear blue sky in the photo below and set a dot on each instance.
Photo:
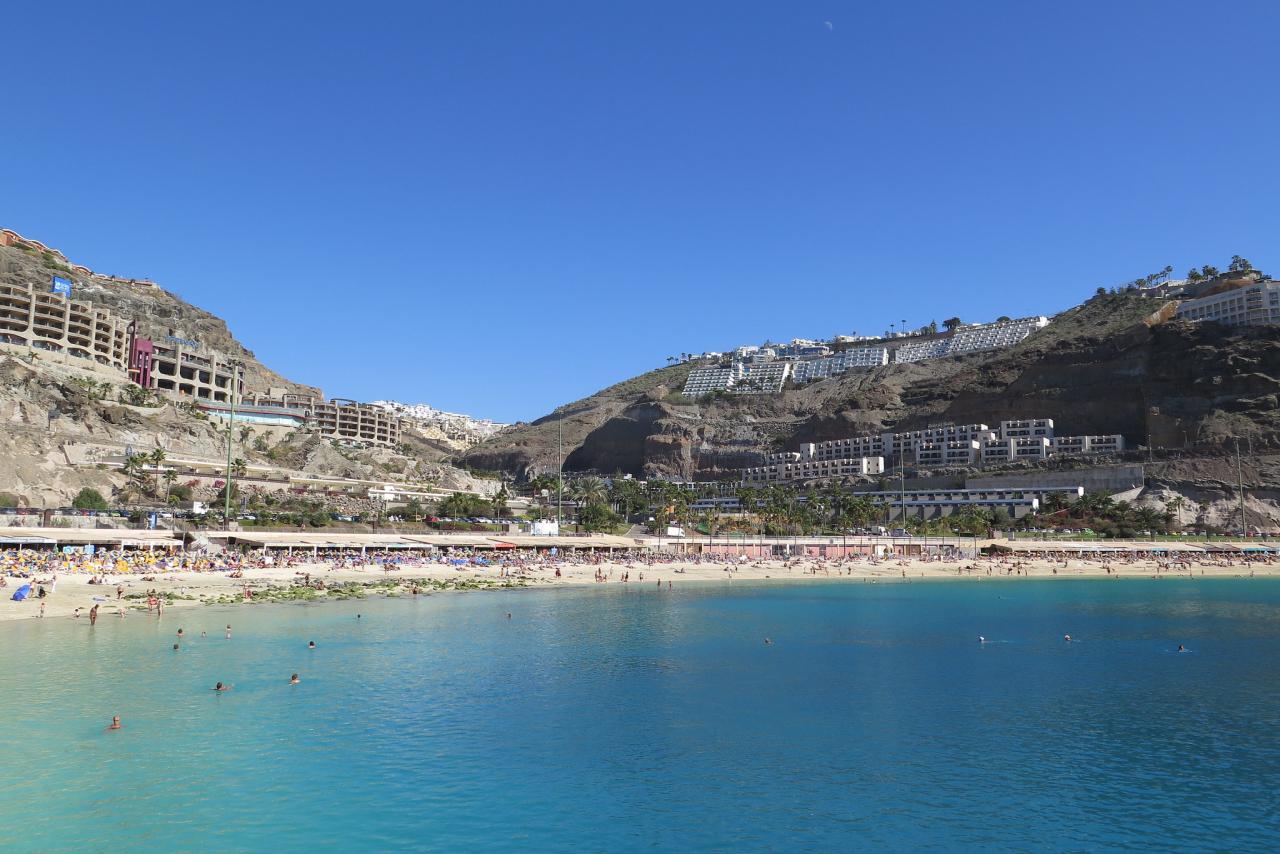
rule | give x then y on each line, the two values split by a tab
505	206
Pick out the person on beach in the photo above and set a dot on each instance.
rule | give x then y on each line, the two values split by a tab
228	631
115	724
93	615
294	680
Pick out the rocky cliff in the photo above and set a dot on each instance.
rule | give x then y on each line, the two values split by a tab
56	420
1112	365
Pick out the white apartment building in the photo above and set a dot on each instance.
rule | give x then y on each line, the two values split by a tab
787	468
1013	449
994	336
840	363
1035	427
971	339
1088	444
964	453
957	445
1252	305
762	378
706	380
765	377
808	360
918	351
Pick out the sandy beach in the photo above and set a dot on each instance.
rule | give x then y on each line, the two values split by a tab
74	595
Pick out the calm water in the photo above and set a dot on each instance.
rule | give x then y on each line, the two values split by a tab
618	719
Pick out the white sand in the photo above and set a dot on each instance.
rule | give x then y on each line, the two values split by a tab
74	592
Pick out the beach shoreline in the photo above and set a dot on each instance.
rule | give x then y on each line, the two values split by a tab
74	595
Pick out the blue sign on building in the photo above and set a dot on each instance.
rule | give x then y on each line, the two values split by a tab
61	286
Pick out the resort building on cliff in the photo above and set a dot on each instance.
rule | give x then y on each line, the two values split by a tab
182	370
339	419
1256	304
54	327
802	361
59	329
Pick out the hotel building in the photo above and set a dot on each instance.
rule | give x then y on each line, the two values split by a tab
62	330
349	421
184	371
786	468
1252	305
948	445
343	420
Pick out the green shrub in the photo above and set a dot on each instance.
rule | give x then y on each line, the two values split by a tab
89	499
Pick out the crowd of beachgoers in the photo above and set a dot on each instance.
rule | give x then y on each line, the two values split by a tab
134	578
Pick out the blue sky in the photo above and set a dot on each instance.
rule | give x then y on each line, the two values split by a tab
506	206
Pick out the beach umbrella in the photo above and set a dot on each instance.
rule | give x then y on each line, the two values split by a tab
22	593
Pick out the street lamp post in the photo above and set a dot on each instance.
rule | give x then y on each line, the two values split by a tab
231	423
559	472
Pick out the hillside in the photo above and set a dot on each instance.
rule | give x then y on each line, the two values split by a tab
151	304
57	420
1103	367
531	448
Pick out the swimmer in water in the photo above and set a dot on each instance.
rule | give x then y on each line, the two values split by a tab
175	646
768	641
228	630
981	639
221	687
1067	638
294	680
1181	648
115	723
311	645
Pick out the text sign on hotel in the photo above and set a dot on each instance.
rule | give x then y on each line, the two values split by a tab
61	286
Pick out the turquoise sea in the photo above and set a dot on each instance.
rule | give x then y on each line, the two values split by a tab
625	719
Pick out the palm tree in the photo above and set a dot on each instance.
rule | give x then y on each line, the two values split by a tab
590	490
156	458
500	501
169	477
238	467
